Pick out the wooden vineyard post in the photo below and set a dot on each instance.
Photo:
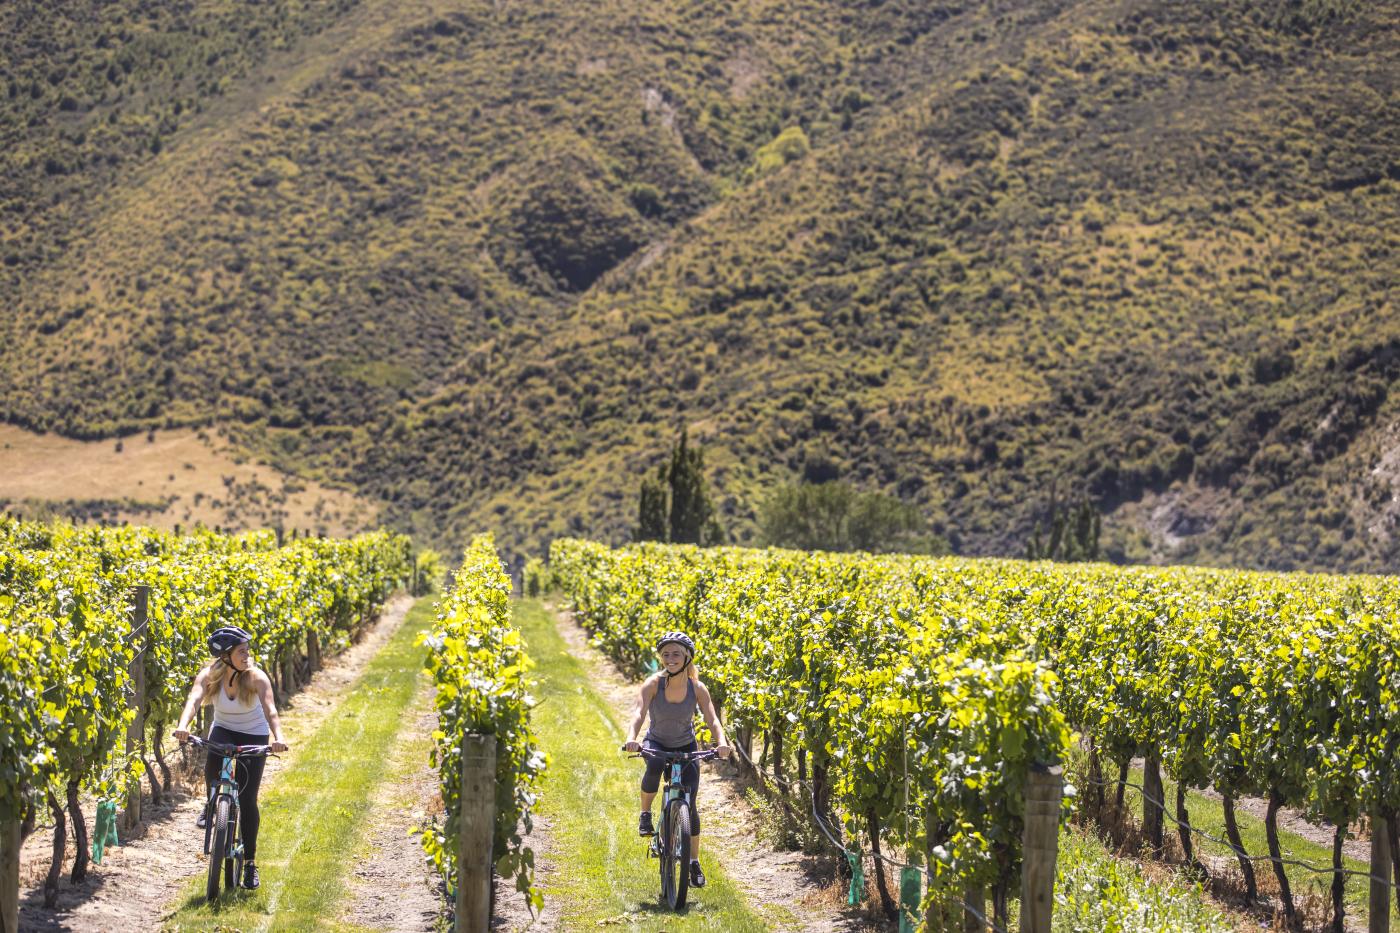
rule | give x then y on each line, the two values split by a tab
477	821
136	699
9	876
974	909
289	673
1380	874
313	650
1040	846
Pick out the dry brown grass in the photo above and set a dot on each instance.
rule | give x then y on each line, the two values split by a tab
166	479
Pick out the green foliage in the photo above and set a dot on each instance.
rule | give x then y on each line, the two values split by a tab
1250	683
871	667
1097	891
972	280
653	510
788	146
479	666
430	571
675	504
538	579
69	642
692	515
1074	535
836	517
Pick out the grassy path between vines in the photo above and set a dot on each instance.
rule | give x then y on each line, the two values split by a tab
1207	816
313	815
602	875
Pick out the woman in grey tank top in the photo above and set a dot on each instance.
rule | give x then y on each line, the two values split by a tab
669	698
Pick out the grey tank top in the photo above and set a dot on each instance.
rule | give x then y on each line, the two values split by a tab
672	724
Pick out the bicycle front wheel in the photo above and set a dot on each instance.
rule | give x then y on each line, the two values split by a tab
678	847
219	850
232	866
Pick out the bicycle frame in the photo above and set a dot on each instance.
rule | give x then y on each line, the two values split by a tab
674	787
227	787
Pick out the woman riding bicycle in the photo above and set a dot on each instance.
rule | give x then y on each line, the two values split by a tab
670	697
245	713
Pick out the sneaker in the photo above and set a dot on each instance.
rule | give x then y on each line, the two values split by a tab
250	877
644	827
203	820
697	877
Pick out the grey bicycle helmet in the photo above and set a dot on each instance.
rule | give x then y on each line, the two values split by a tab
677	638
225	639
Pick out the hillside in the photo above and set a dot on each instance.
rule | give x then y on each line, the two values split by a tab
481	261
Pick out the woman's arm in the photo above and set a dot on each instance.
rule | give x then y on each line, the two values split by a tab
707	709
263	685
643	701
182	730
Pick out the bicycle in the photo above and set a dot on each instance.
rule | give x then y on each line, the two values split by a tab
222	829
671	843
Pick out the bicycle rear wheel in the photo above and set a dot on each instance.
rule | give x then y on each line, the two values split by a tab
219	849
678	847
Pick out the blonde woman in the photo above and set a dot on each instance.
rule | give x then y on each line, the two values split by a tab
245	713
669	699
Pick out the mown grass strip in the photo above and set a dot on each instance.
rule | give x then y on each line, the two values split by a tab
602	875
1207	816
313	815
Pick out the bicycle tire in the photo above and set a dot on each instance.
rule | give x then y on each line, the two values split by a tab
663	853
233	866
219	850
678	845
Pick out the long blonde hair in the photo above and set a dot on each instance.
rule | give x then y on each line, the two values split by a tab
214	680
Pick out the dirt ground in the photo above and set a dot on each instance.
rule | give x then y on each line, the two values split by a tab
394	887
776	883
136	883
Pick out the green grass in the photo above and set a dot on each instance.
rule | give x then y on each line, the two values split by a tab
1096	891
313	815
602	874
1207	816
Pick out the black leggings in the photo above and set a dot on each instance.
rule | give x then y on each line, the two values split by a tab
690	777
247	772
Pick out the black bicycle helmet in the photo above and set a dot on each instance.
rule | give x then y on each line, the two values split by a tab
677	638
225	639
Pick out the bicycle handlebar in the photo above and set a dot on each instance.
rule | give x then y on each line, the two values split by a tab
232	751
669	757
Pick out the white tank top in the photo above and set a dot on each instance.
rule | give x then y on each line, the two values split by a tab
236	716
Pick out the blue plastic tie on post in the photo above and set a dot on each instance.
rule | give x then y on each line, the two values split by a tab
910	897
105	831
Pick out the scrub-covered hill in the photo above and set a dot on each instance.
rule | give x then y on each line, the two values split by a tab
481	261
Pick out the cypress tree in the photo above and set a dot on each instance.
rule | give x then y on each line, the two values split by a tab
690	505
652	512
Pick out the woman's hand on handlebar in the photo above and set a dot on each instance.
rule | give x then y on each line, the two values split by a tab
632	747
181	735
724	751
279	747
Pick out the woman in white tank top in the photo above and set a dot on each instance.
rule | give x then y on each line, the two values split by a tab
245	713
